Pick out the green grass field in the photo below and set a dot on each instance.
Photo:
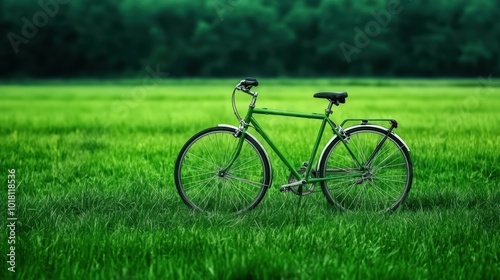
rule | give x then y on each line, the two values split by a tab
96	198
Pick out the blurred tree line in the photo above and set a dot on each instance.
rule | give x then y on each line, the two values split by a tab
215	38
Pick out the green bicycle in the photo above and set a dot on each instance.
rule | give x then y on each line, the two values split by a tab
362	167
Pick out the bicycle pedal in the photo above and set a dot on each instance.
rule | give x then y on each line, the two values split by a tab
288	187
285	189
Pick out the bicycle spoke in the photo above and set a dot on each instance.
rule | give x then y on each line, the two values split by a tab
245	164
204	160
240	193
246	181
378	166
241	167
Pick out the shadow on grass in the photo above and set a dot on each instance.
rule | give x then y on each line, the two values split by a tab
446	200
146	210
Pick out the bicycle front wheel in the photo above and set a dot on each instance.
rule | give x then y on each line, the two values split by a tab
379	182
200	183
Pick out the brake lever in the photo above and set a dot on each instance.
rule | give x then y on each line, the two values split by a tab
244	89
239	85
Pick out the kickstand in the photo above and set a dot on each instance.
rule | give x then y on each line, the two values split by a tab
297	214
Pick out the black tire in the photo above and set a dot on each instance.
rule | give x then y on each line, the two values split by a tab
197	172
382	187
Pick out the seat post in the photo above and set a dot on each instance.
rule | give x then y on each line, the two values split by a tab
328	110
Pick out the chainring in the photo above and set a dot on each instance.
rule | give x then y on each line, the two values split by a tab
306	189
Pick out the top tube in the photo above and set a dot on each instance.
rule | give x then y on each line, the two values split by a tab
266	111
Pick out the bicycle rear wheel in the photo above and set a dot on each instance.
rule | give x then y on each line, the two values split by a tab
380	185
203	188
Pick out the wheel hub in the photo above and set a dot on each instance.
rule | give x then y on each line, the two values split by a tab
366	176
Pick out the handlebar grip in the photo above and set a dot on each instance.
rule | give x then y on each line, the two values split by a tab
249	81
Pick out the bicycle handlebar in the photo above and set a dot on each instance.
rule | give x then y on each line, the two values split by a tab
246	85
249	81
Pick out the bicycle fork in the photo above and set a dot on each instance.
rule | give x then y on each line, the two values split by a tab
239	133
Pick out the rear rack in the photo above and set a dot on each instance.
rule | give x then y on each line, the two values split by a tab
394	123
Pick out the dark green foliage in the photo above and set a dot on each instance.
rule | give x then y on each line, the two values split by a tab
240	37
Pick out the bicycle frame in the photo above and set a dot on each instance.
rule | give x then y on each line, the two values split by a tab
324	120
249	120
